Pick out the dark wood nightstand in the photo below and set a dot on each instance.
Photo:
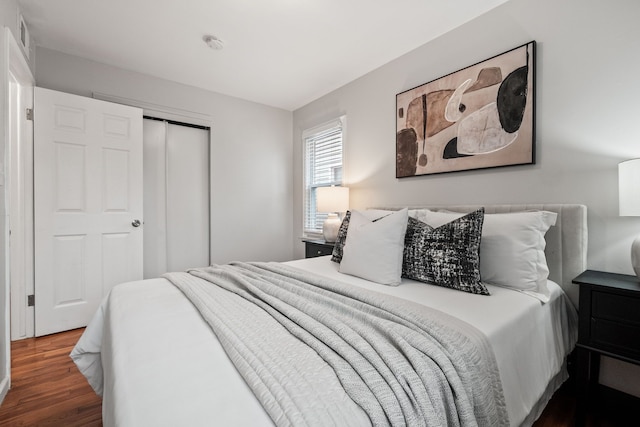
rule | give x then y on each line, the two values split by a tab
609	324
314	248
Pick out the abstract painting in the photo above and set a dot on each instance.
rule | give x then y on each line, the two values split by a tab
479	117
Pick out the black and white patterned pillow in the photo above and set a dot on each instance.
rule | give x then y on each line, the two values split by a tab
336	255
446	256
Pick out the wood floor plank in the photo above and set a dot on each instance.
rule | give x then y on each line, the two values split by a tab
46	387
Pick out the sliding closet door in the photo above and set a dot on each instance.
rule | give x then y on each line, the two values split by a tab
187	197
155	199
176	197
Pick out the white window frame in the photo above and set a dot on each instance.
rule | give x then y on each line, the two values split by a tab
309	133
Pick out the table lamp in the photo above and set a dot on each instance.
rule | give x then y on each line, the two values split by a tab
332	200
629	199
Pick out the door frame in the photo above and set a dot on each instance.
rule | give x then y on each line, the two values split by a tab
12	65
19	195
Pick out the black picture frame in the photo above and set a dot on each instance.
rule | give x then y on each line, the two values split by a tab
482	116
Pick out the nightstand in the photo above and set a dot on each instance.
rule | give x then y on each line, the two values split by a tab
314	248
609	324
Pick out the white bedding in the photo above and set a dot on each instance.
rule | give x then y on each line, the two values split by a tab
166	368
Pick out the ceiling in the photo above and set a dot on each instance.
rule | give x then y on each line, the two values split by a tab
282	53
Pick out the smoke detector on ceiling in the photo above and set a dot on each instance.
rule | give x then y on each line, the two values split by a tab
213	42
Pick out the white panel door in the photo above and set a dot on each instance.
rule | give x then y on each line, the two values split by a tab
88	205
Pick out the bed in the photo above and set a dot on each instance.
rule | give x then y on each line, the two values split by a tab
155	361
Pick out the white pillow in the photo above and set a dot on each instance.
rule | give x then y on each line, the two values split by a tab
373	250
371	214
511	249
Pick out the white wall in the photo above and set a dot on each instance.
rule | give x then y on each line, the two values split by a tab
251	191
9	18
587	121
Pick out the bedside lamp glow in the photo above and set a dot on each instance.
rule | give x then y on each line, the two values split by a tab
332	200
629	199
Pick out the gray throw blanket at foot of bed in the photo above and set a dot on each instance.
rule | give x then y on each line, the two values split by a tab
319	352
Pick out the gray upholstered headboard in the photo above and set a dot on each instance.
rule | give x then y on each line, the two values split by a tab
566	248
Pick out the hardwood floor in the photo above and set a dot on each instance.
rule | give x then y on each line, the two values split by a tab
46	387
610	408
48	390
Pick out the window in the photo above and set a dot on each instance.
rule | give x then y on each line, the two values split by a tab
322	168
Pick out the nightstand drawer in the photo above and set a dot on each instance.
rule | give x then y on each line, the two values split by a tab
609	324
615	307
317	249
620	338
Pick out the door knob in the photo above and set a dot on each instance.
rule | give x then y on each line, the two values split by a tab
136	223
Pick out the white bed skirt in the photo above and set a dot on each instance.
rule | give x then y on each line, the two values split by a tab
157	363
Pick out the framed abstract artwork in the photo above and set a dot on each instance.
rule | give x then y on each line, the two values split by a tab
479	117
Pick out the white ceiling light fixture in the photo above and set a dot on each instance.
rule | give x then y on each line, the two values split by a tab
213	42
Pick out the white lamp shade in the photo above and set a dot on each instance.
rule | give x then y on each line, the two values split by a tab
629	187
332	199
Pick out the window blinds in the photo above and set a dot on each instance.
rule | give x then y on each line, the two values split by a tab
323	168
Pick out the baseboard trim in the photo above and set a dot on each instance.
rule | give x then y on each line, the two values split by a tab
4	388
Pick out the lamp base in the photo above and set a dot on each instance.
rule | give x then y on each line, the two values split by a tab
331	226
635	255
